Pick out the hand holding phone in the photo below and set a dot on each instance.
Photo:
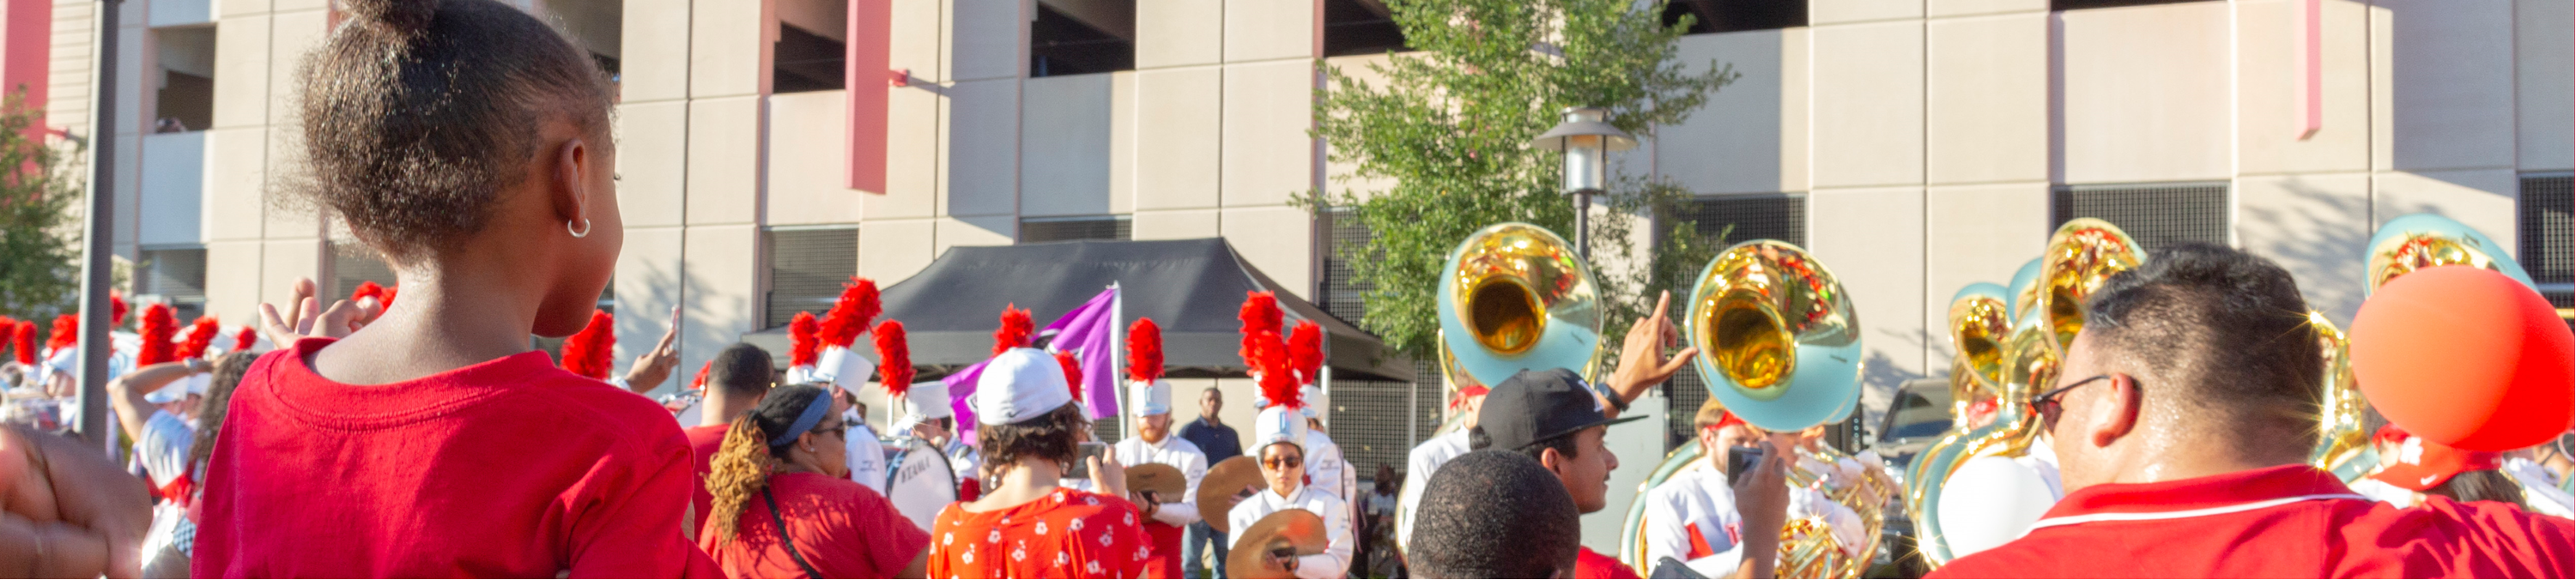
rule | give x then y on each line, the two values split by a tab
1083	456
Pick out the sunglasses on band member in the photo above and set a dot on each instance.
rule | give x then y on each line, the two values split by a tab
1282	462
2049	404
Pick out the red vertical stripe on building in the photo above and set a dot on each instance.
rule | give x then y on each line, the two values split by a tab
865	67
26	50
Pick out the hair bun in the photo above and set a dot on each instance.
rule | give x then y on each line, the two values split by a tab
400	15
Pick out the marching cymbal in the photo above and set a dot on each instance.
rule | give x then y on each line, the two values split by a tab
1164	480
1224	486
1289	529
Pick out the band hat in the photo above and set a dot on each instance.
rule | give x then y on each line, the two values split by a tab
1313	396
1018	385
1150	398
843	368
1278	424
1538	405
927	400
170	392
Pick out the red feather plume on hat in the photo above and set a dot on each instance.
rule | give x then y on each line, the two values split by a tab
158	327
1072	372
66	332
587	352
851	313
1260	312
895	373
804	340
1306	352
248	338
700	383
8	328
1269	362
368	290
23	337
201	334
1015	329
1144	351
116	309
389	296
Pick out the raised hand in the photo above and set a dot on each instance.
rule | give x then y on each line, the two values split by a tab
1642	363
306	318
655	366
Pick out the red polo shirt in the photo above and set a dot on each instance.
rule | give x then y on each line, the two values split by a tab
2291	521
1590	565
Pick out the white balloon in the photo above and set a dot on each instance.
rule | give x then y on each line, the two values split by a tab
1990	501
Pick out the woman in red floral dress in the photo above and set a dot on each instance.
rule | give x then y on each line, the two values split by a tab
1027	526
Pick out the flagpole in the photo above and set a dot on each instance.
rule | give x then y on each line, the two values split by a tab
1117	348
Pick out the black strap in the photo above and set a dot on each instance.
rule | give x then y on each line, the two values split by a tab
782	534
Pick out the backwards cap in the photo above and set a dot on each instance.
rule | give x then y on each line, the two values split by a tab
1018	385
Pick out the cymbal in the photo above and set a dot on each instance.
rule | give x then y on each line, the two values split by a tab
1164	480
1294	529
1224	486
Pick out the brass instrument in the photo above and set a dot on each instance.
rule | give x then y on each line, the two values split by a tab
2343	443
1980	323
2082	255
2418	241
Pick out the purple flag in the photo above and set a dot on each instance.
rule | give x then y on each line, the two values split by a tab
1090	331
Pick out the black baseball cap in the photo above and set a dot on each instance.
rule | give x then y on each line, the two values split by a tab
1537	405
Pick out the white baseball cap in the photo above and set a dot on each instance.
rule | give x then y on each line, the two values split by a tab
1018	385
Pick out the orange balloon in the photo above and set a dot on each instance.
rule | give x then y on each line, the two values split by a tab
2466	357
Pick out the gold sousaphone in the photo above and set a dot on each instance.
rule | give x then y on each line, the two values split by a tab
2403	245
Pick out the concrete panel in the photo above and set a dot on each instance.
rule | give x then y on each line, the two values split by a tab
291	35
2544	84
729	49
988	40
281	263
1267	155
1734	143
1271	29
241	72
971	231
652	162
2271	82
1868	123
173	189
1975	233
1824	12
1340	177
808	157
1177	138
1872	240
983	147
648	284
1179	33
1065	148
2145	96
1942	8
1278	240
236	7
894	249
655	41
1174	225
721	290
286	5
914	135
2482	199
724	160
1797	132
913	40
2453	92
1986	92
292	219
1122	142
2317	226
232	280
236	175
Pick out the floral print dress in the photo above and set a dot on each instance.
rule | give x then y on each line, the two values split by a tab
1067	534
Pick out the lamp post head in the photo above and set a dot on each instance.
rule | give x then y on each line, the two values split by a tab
1587	139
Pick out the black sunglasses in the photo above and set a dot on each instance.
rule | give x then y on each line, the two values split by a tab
1281	462
2048	404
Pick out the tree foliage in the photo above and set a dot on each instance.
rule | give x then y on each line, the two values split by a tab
1450	126
39	267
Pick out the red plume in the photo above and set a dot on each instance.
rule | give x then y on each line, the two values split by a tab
895	371
1306	352
1260	312
700	383
804	340
1015	329
388	300
1144	351
66	332
368	290
1269	361
23	336
248	338
851	313
158	328
116	309
201	334
8	328
587	352
1072	372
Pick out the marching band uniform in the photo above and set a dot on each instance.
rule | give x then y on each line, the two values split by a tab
1069	533
1418	466
1279	424
1325	468
1692	518
867	454
1175	514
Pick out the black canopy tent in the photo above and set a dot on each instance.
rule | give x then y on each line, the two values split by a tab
1191	288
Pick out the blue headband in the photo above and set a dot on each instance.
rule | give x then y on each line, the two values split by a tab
813	414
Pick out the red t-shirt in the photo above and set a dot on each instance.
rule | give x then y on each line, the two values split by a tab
508	468
1589	564
844	529
704	441
1067	534
2291	521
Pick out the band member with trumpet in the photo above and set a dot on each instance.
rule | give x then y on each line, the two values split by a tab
1028	525
2181	418
1693	518
1150	402
1279	440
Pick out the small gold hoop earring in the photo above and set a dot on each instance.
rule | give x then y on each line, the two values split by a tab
584	232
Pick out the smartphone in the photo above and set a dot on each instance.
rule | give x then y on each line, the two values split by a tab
1741	460
1082	457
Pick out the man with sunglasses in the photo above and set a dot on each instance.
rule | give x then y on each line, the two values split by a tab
2182	422
1279	444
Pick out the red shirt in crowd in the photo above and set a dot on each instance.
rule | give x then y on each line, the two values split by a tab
704	441
1589	564
507	468
2291	521
1067	534
842	528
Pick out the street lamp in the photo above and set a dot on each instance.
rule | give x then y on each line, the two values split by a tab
1587	140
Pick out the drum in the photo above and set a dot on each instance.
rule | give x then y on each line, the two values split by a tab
919	482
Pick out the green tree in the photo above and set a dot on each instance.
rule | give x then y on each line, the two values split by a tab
1450	127
39	267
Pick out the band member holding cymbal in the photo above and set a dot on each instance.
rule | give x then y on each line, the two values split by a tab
1279	443
1151	402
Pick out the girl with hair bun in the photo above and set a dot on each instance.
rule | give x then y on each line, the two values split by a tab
785	506
468	143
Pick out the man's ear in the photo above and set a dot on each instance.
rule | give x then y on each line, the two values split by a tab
1553	461
2117	413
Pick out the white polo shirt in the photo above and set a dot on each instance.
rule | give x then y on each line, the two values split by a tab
1337	527
1696	499
1180	454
